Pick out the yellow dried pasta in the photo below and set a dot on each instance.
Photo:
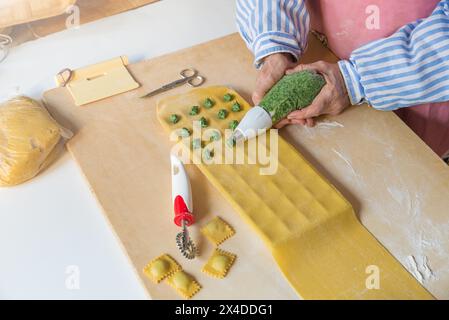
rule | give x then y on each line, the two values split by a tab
219	263
161	267
184	284
217	231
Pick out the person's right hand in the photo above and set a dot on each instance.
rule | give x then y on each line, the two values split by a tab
273	69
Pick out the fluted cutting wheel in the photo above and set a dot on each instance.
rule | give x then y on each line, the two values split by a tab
186	246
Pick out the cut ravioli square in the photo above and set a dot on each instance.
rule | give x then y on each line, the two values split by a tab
161	267
219	263
184	284
217	231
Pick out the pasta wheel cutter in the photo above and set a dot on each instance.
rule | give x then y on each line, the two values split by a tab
182	205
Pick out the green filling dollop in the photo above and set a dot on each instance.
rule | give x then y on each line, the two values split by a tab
174	118
228	97
196	143
222	114
203	122
194	111
208	103
215	136
233	124
236	107
208	154
184	132
293	92
230	142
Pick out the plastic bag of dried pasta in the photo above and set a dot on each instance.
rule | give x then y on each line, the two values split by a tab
29	140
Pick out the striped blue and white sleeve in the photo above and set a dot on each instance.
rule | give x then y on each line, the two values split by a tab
271	26
409	68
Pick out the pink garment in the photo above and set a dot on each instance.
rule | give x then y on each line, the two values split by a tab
349	24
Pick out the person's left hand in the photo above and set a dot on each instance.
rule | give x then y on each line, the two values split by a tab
332	99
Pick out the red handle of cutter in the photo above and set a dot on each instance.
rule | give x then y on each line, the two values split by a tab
182	212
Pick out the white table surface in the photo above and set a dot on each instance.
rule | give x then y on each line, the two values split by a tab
53	222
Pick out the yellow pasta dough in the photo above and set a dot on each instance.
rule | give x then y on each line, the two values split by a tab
161	267
28	138
217	231
219	263
184	284
311	230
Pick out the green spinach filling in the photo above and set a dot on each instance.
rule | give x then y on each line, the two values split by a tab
293	92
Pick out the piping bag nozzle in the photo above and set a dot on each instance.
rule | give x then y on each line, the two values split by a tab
253	123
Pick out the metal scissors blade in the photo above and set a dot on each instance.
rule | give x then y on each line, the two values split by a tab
189	76
154	92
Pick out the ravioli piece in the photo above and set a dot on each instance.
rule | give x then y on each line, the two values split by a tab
219	263
217	231
184	284
161	267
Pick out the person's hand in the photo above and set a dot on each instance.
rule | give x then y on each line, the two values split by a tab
273	69
332	99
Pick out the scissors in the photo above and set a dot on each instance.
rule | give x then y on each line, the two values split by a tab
189	76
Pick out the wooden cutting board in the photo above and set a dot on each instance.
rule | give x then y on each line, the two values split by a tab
124	155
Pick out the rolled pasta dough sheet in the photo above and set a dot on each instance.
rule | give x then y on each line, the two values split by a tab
311	229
